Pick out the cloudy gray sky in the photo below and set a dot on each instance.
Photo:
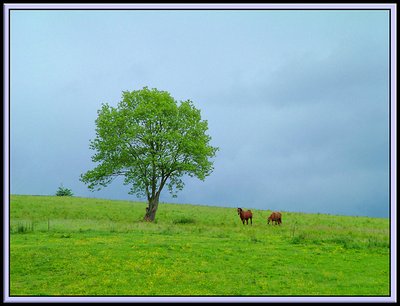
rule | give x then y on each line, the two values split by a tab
296	100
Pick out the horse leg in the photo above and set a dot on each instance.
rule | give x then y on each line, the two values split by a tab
251	220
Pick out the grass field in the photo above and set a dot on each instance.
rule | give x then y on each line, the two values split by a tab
69	246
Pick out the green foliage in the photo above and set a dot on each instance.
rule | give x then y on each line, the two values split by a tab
62	192
151	141
191	250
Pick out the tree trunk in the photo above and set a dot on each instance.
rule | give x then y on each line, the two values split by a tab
151	209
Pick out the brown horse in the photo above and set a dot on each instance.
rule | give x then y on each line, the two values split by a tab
245	215
275	216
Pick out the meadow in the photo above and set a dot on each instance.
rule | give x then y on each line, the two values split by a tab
71	246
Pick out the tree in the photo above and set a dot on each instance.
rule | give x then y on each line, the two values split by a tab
152	142
61	192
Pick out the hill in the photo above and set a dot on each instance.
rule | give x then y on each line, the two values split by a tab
61	246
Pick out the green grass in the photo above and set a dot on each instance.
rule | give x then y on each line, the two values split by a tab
91	247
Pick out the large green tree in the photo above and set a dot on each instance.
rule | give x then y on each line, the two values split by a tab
153	142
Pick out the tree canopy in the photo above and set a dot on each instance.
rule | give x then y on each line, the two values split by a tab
153	142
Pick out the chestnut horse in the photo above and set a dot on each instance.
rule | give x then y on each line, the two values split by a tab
245	215
275	216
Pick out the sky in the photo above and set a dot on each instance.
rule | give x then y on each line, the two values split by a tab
296	100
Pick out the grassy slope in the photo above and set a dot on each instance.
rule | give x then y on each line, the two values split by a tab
78	246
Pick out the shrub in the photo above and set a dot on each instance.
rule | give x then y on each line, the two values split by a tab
64	192
24	227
